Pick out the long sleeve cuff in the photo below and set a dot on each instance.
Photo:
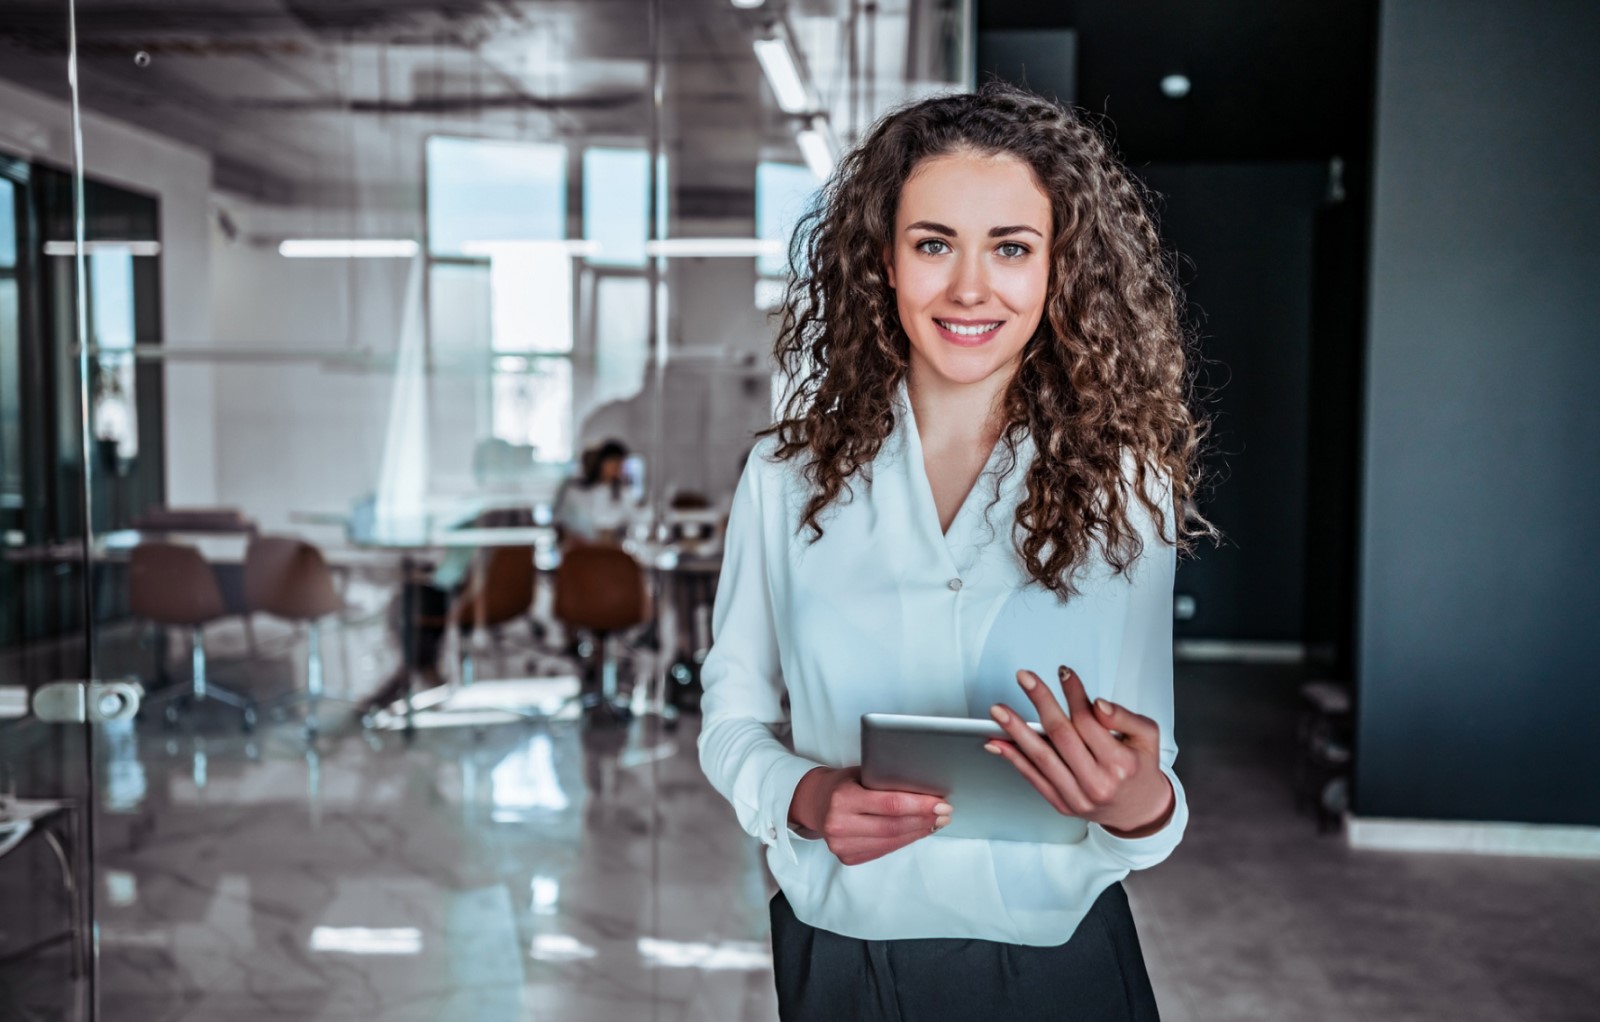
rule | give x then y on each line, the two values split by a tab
1144	852
755	772
777	793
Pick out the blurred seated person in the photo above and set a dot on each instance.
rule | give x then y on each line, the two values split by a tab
598	504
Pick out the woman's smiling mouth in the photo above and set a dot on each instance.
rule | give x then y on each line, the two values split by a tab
968	333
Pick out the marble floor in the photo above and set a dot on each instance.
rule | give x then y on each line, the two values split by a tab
548	871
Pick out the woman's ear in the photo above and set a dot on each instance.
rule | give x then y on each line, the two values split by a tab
888	265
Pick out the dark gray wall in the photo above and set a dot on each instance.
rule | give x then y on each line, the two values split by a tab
1245	233
1479	679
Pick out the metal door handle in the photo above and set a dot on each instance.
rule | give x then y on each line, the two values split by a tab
69	702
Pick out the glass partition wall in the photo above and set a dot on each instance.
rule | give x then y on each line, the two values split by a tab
309	365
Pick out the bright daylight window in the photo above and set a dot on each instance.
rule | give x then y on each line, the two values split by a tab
111	300
783	191
498	211
501	272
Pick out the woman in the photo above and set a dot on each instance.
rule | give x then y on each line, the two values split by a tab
982	479
596	506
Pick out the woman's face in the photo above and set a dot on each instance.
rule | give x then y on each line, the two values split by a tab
970	264
611	469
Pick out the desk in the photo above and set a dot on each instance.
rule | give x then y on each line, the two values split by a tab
666	562
410	545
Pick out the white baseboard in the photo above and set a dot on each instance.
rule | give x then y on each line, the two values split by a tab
1473	838
1230	651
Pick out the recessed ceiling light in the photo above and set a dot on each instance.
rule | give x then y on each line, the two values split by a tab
748	4
1175	86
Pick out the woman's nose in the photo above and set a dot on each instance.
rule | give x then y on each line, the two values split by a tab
970	284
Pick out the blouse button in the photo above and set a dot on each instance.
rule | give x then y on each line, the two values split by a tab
954	584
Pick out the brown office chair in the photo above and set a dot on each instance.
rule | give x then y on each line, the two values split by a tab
601	589
689	500
172	584
290	579
499	590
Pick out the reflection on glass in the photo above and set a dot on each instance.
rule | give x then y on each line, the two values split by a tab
363	940
559	947
122	888
730	954
546	893
526	779
125	781
10	398
403	478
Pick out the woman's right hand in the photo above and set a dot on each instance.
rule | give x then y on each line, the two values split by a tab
860	824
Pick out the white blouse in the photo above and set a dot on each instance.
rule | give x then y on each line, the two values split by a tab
887	614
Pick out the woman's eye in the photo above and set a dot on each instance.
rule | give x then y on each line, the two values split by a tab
932	246
1012	250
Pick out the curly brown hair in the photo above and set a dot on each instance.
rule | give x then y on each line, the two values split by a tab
1106	374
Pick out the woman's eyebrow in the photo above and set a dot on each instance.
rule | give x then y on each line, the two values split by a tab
994	232
1000	232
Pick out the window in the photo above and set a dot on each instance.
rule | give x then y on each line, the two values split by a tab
113	401
783	192
497	214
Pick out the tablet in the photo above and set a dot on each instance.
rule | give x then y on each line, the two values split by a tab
945	756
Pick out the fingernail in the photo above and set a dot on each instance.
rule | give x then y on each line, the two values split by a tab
943	821
1103	706
999	713
1025	680
942	809
991	747
1062	672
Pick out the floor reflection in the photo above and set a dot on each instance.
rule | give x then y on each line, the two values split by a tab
510	872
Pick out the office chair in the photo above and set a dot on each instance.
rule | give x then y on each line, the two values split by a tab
498	591
173	585
602	590
289	578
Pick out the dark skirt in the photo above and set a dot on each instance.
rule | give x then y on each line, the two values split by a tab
1096	976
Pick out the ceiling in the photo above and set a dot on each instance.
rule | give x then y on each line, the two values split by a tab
297	100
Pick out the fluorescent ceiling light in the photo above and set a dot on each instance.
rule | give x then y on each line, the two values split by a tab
138	248
572	246
347	248
733	248
783	75
818	151
748	4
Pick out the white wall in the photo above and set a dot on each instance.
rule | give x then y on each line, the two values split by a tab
303	406
38	127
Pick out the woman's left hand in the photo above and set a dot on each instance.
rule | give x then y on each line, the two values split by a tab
1080	766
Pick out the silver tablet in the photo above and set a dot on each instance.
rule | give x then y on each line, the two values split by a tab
945	756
